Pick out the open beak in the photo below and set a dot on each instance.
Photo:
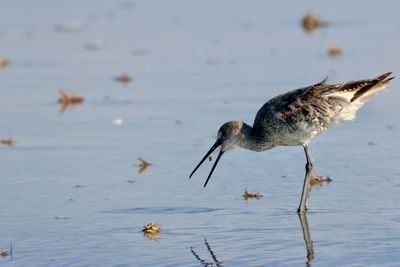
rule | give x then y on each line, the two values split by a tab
215	146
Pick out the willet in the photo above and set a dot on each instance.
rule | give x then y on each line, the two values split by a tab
295	118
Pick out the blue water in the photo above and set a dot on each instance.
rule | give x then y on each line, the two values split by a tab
70	190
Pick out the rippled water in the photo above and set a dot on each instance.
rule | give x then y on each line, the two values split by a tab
70	189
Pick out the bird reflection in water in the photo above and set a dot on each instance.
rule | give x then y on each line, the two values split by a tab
212	254
307	238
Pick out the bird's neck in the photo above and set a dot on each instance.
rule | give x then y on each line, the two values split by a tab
252	139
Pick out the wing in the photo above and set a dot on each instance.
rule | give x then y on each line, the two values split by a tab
314	108
309	107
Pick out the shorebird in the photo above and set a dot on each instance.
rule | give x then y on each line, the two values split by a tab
295	118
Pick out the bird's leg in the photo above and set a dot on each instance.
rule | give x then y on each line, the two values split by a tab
307	178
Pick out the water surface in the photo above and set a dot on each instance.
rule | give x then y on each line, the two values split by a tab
70	189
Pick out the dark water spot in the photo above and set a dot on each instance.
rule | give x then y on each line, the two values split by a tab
60	218
162	210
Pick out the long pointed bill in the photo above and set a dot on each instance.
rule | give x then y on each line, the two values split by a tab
213	167
217	144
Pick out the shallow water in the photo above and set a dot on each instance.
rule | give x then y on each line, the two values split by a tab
70	189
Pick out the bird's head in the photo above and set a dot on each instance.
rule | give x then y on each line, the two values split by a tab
229	136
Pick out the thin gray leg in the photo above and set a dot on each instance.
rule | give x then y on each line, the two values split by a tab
307	178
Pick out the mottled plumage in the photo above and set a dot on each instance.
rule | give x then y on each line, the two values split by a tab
296	117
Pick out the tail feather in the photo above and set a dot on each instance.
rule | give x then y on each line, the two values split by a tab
362	87
379	83
357	93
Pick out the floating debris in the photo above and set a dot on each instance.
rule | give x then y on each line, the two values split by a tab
151	228
3	62
310	22
68	100
5	253
335	51
8	141
246	195
94	45
117	121
78	186
143	164
72	26
151	231
319	179
124	78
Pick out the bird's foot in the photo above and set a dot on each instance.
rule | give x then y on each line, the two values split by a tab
302	209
